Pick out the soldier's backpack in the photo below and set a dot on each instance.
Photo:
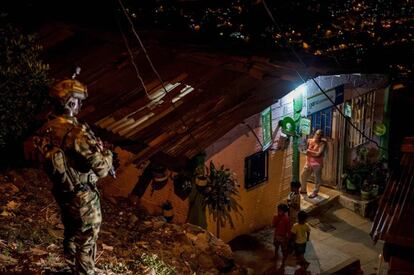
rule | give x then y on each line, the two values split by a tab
48	144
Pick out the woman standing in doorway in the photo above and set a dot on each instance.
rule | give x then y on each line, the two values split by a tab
314	163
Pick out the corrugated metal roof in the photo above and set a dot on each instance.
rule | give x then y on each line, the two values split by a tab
211	91
159	101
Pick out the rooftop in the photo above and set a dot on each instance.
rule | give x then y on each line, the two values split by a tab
208	92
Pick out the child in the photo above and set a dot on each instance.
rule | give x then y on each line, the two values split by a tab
282	232
300	235
294	202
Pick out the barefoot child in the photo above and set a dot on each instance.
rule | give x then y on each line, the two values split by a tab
282	232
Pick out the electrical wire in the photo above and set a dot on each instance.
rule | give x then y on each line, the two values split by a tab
187	129
254	133
131	55
315	82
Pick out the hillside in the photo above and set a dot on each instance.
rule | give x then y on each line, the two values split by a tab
130	242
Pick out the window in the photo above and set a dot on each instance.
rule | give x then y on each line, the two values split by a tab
255	169
362	109
322	120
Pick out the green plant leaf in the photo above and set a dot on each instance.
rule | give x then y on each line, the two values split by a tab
24	84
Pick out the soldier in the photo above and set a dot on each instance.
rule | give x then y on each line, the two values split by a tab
74	159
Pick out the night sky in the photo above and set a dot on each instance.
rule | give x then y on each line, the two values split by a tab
374	35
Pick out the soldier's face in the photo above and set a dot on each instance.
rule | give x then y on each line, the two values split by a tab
74	105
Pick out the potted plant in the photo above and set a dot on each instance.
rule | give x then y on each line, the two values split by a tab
350	182
159	176
379	176
353	178
221	190
200	176
182	185
167	211
201	180
375	191
199	171
366	190
368	173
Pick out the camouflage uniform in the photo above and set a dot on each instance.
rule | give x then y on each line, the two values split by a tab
74	161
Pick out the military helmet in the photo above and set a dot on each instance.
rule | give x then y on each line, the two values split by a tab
64	89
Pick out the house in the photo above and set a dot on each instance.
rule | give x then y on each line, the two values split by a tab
264	168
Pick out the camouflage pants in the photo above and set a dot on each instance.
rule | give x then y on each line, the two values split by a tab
81	217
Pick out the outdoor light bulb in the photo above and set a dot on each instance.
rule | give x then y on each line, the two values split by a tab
301	89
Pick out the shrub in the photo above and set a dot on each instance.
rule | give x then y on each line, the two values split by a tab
24	83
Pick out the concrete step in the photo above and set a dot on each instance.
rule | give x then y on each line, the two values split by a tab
327	198
364	208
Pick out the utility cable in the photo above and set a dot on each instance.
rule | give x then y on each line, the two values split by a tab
315	82
254	133
187	129
131	55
